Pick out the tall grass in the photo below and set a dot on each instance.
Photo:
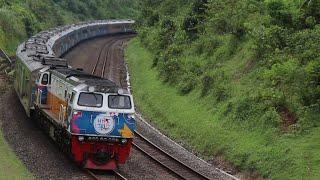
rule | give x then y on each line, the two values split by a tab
210	131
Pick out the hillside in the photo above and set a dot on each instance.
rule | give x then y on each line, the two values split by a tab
253	67
20	19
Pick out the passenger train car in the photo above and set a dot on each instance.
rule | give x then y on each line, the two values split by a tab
90	118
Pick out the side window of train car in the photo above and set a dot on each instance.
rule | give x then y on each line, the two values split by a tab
45	79
72	97
66	94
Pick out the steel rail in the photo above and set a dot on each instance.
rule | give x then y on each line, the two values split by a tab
100	52
196	173
106	58
104	63
91	174
156	160
119	175
110	42
96	177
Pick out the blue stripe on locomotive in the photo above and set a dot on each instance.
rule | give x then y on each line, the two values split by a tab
86	124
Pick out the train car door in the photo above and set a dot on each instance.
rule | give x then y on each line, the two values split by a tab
70	109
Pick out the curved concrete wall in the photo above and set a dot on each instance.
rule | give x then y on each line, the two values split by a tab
57	41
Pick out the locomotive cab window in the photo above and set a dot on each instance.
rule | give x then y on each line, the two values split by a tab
119	102
45	79
90	99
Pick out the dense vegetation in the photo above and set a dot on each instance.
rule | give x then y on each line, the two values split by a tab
20	19
255	65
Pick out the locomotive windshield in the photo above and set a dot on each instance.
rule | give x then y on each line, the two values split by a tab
119	102
90	99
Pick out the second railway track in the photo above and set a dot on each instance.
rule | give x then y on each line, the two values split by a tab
172	164
105	59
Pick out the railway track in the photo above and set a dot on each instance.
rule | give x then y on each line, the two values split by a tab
100	176
104	60
106	50
172	164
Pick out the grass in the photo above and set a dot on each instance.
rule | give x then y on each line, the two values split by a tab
188	119
10	166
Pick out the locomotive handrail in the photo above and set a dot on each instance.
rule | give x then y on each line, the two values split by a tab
62	113
39	96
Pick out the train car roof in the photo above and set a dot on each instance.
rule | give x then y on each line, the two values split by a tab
42	43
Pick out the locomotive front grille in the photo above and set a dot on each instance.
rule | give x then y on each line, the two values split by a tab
102	157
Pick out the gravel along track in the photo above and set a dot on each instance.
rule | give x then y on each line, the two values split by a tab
138	166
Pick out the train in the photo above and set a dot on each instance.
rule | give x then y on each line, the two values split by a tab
90	118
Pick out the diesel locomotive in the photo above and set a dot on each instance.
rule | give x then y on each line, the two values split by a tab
90	118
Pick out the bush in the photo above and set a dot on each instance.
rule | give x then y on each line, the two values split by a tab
280	14
187	83
272	38
311	94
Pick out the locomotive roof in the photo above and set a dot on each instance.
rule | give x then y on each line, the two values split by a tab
77	77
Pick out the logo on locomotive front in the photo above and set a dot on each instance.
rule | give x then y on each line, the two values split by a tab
103	124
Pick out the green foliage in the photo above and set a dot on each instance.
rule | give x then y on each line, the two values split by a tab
252	144
279	13
248	59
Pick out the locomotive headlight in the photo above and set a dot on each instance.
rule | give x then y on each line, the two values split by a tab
91	89
80	138
77	113
123	141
